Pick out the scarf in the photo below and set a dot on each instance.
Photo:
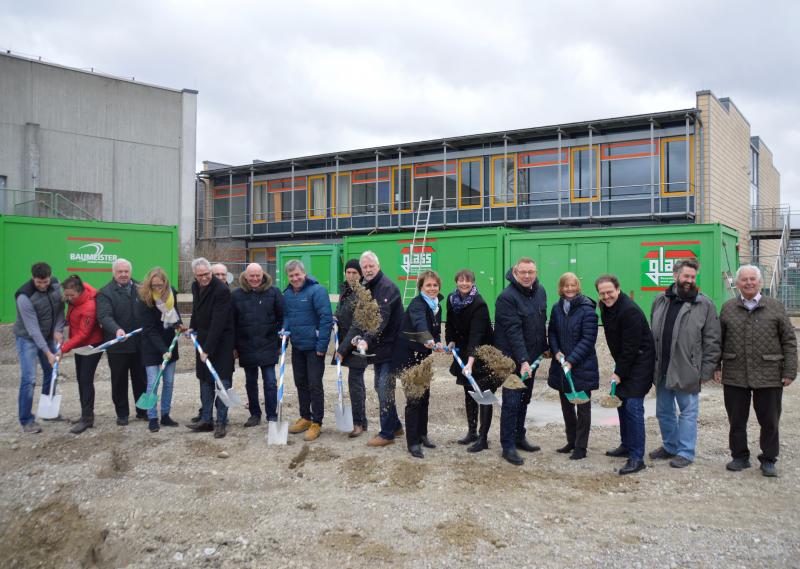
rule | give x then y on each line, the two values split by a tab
169	315
459	303
433	303
567	305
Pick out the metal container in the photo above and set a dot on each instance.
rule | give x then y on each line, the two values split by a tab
323	261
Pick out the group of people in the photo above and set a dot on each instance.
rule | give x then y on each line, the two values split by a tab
750	348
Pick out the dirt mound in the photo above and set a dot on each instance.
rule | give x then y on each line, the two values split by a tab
407	474
118	465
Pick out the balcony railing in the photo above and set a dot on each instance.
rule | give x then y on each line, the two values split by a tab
41	203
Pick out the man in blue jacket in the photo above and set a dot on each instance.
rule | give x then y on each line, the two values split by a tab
308	318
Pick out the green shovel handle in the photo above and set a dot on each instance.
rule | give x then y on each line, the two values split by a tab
613	388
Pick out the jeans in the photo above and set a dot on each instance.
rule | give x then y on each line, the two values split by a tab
358	396
28	354
85	367
767	405
577	421
308	369
631	426
122	364
167	381
385	387
270	391
678	433
208	398
512	414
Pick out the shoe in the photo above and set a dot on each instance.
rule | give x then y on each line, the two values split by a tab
141	415
220	431
55	419
399	432
153	425
416	451
680	462
166	421
426	442
480	444
195	419
379	441
357	431
632	466
660	454
620	451
312	433
82	425
738	464
513	457
523	444
578	454
31	428
253	421
122	421
200	427
566	448
470	437
768	469
300	426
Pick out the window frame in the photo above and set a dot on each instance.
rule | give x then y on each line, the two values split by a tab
242	187
492	159
411	189
462	161
310	193
334	191
265	210
596	190
663	181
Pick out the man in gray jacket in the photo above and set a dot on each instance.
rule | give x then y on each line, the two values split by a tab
38	328
759	359
687	337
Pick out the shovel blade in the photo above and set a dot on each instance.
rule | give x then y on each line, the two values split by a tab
234	398
147	401
222	395
484	398
86	351
344	417
277	432
48	406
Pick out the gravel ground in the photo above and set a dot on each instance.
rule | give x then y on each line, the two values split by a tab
123	497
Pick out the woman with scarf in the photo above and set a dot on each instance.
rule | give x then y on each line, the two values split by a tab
469	326
160	320
422	317
572	333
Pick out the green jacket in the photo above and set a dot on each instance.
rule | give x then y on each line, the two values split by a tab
759	347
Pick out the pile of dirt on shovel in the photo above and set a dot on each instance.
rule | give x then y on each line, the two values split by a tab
416	379
501	367
367	315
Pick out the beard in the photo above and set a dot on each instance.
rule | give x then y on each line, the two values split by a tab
687	289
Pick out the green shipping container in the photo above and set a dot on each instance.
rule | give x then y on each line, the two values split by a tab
446	252
323	261
86	248
641	257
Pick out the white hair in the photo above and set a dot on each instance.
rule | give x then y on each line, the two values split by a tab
200	262
121	261
746	268
293	265
369	255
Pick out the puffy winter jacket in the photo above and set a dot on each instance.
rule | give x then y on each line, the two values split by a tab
308	316
418	318
574	334
257	318
84	329
520	315
155	338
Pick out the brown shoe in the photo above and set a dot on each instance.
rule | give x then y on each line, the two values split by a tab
399	432
357	431
301	425
312	433
379	441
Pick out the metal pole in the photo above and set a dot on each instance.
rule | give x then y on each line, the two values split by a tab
444	183
652	168
336	190
505	178
688	165
400	186
591	174
252	199
377	202
230	203
558	191
292	192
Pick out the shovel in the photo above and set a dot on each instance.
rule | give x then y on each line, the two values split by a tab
514	382
50	404
89	350
228	397
485	397
576	398
421	337
148	399
343	411
278	431
611	400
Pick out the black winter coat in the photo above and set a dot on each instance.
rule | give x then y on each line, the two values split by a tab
631	344
387	295
574	335
257	318
418	318
347	330
469	328
520	316
116	308
212	320
155	338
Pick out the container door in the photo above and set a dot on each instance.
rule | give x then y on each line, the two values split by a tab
553	262
591	262
481	260
320	267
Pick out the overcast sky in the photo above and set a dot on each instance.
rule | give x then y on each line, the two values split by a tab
285	79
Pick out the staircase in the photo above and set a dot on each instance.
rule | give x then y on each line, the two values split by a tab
41	203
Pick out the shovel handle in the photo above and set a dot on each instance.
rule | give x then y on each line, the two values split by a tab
613	388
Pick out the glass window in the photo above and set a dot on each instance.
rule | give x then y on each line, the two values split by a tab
674	166
316	197
341	188
503	180
629	149
540	184
401	189
279	199
259	201
470	183
584	174
364	198
627	177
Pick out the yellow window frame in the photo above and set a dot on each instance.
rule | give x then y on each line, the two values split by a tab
335	188
480	182
263	217
411	185
596	190
494	159
310	194
663	182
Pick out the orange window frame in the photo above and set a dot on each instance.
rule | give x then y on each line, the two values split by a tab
447	172
494	159
335	188
596	189
605	156
256	186
241	190
383	176
690	182
411	187
310	194
554	162
480	182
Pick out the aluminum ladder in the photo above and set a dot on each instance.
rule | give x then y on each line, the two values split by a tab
415	254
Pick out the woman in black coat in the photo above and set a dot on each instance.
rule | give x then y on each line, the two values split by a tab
423	315
572	333
631	344
469	326
158	315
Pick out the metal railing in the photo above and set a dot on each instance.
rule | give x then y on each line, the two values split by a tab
769	218
41	203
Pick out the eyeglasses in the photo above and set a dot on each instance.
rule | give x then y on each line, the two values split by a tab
156	286
202	275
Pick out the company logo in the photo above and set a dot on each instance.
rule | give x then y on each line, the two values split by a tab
93	254
413	262
658	260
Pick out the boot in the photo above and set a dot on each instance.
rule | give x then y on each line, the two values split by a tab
220	431
83	424
153	425
472	421
166	421
482	443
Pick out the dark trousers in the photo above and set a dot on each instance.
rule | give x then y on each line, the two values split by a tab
209	400
577	421
270	391
417	418
85	366
631	426
473	409
308	369
358	396
512	414
767	405
121	366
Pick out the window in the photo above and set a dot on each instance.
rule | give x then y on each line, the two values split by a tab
279	199
342	191
625	168
537	177
675	173
470	182
3	182
365	185
259	202
503	191
583	174
317	197
429	183
401	189
226	191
